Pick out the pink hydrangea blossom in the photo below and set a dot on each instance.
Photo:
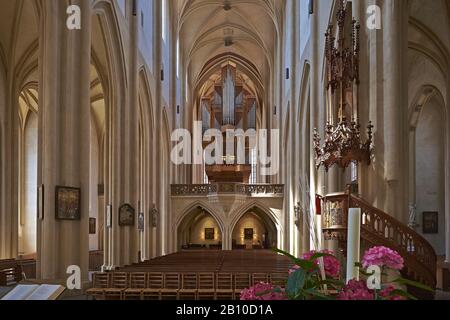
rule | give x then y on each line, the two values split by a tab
331	264
387	294
293	269
383	257
356	290
262	292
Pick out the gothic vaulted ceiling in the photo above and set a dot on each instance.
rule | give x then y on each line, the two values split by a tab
243	28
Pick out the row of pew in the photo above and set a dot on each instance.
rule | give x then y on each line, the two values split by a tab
193	275
177	286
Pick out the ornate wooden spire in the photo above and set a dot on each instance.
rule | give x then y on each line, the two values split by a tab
343	144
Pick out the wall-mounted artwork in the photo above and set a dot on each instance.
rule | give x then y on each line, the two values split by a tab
430	223
68	202
126	215
40	199
154	215
248	234
109	216
141	221
210	233
92	226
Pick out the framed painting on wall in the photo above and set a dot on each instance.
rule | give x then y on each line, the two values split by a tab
92	226
109	216
40	206
68	202
430	223
126	215
248	234
141	221
210	233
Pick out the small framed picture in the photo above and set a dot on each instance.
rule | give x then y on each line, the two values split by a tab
40	200
68	202
154	217
126	215
109	216
248	234
210	233
141	221
92	226
430	223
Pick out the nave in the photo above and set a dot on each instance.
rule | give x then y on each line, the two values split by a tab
198	275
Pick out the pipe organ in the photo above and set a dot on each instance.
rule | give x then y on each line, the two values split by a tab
230	105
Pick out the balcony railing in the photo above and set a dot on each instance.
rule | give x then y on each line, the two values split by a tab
227	188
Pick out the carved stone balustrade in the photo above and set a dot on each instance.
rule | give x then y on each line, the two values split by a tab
272	190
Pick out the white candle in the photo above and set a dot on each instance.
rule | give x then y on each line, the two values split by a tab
353	243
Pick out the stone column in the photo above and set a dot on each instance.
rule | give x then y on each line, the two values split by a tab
392	92
314	115
291	180
9	153
447	180
158	237
64	135
359	13
131	147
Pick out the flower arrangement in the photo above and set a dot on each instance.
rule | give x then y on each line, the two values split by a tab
316	275
263	291
383	257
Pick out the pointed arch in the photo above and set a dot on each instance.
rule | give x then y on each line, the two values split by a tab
188	216
252	204
204	205
268	213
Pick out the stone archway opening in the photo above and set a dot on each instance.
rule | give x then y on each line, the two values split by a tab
28	170
427	168
199	230
255	230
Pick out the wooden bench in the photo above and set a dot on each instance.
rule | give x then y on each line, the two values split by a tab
11	273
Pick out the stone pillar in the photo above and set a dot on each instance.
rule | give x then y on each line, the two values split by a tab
9	169
314	115
130	242
159	234
447	180
359	13
293	127
124	181
392	107
64	135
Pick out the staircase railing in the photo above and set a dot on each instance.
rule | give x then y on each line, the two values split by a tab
379	228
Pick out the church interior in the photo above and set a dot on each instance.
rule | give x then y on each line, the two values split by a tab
165	149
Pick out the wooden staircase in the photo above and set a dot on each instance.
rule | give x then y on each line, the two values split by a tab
380	229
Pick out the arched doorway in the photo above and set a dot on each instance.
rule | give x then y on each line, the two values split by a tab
254	230
28	170
199	230
427	148
97	157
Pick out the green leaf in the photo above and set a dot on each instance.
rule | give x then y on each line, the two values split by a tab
296	283
277	290
263	293
316	256
401	293
415	284
336	284
365	273
303	264
318	295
